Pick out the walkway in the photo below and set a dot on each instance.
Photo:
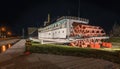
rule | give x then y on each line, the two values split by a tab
13	58
16	50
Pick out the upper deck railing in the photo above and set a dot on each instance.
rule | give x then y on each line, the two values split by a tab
74	18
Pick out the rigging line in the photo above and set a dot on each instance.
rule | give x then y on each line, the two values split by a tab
79	8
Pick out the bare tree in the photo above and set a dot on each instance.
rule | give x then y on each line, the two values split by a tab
115	30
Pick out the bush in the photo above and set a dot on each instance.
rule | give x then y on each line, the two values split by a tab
73	51
114	39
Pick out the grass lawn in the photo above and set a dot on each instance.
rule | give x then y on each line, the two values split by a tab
112	55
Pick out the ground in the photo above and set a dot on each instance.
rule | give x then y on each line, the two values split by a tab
14	58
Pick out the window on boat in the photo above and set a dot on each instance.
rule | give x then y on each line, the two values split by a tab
63	31
56	25
65	24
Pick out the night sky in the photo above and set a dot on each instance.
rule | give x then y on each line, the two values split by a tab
18	14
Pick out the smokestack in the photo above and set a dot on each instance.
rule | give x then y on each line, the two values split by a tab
48	18
48	21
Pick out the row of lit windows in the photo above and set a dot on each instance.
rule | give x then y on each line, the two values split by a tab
57	32
55	26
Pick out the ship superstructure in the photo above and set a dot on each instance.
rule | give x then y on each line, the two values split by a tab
61	28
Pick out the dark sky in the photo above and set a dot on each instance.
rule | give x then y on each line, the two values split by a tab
18	14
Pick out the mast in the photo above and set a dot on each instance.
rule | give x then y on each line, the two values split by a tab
78	9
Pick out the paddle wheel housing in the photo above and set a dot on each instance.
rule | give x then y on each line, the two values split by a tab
87	36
